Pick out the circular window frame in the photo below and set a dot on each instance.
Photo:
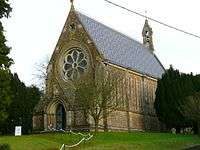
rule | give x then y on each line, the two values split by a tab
75	63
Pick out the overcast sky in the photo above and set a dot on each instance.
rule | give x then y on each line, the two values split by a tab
35	25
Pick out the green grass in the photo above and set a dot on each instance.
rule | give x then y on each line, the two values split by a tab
103	141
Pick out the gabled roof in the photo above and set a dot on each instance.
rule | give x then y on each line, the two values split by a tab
121	50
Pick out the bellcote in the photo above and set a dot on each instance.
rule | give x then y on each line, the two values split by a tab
147	35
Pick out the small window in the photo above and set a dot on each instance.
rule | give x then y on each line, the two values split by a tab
72	27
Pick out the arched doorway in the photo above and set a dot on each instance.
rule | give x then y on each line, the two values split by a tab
60	117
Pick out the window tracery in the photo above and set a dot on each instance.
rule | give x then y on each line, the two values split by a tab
75	64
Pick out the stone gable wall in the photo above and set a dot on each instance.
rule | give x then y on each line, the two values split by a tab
136	91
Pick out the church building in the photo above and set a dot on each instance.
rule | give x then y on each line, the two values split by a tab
84	43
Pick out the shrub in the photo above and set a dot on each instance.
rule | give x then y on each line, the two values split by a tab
4	147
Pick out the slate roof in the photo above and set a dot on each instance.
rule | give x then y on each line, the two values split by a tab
121	50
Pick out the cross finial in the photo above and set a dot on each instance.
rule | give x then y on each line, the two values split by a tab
146	14
72	5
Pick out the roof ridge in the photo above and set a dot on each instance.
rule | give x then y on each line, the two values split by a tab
115	30
137	57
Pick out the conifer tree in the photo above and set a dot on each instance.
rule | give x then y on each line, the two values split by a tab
21	108
16	100
170	94
5	62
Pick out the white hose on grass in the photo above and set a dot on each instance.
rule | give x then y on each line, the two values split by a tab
83	139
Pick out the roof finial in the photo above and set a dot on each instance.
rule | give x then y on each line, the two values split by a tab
72	5
146	14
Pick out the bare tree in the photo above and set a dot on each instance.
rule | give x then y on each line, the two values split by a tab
40	74
191	108
96	95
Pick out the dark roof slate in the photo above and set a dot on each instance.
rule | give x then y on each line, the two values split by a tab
121	50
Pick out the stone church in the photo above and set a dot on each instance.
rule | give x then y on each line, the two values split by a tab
84	43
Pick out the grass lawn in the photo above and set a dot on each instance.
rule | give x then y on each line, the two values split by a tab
103	141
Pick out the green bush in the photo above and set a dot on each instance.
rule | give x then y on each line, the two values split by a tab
4	147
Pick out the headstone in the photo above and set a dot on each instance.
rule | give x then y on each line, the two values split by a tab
18	130
173	130
182	131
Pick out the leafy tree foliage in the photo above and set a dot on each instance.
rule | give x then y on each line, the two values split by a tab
5	62
170	95
196	82
5	94
5	8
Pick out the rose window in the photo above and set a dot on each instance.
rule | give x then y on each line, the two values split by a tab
75	64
